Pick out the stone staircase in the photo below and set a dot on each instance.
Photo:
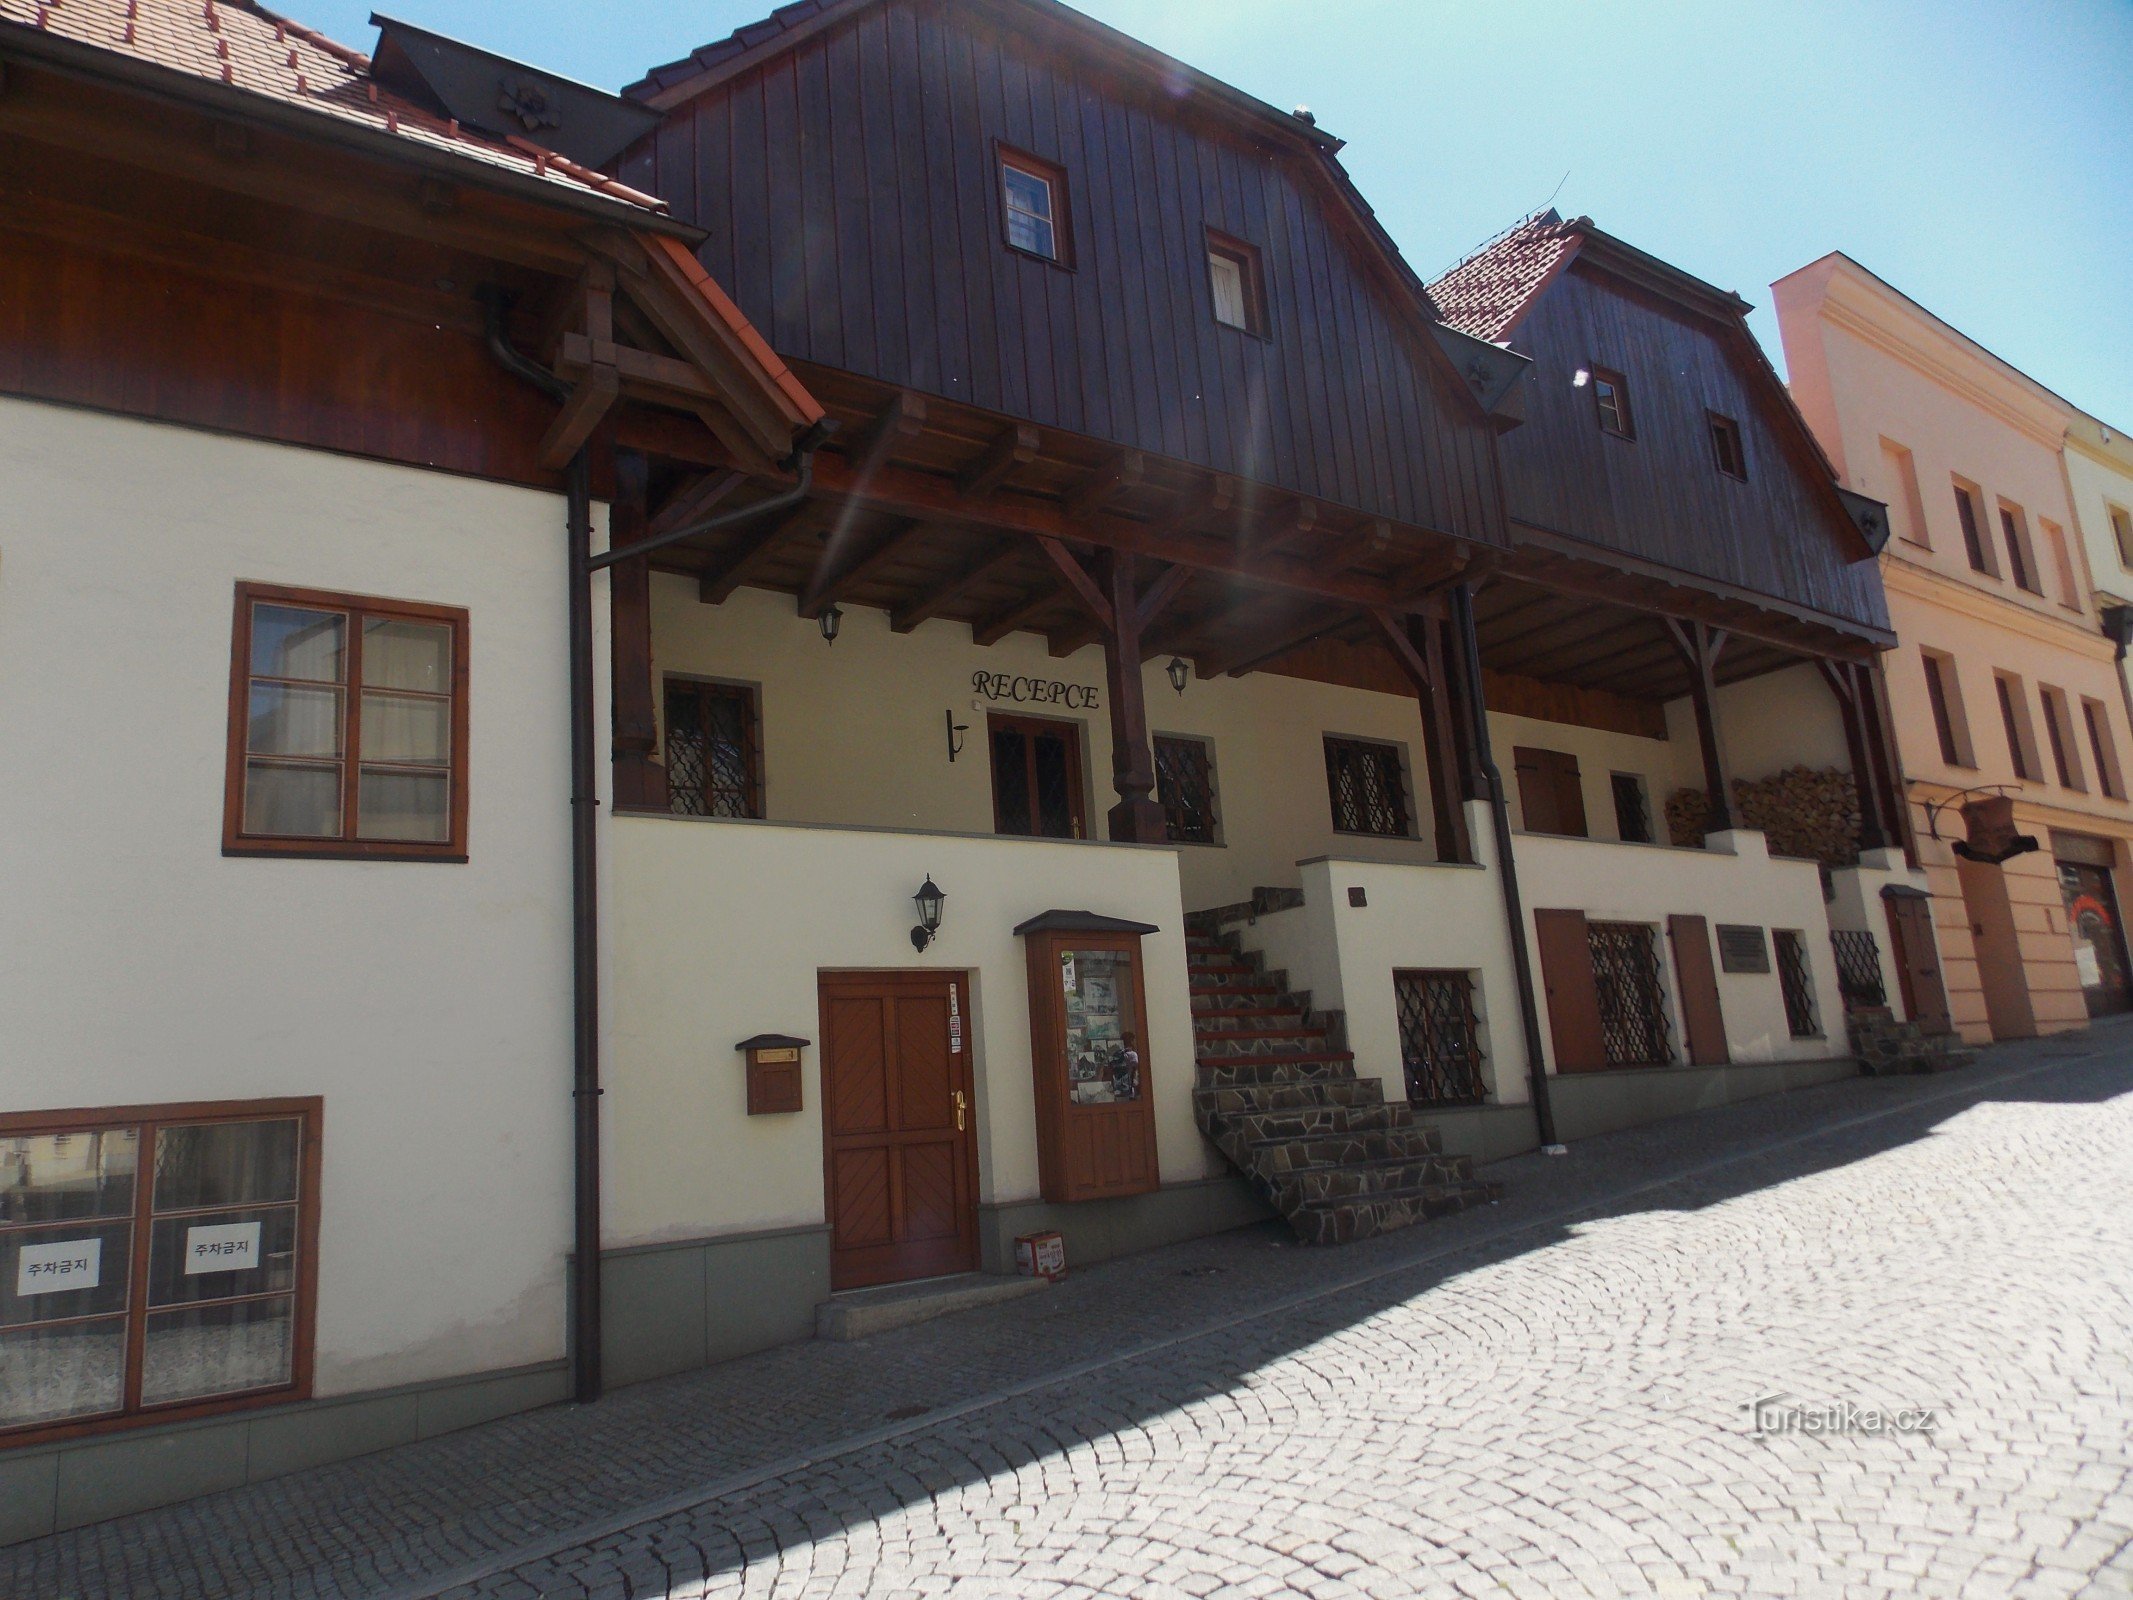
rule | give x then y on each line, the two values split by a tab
1885	1046
1278	1095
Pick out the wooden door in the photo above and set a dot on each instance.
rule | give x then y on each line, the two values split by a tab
1701	1016
899	1127
1573	996
1551	794
1095	1102
1036	777
1925	997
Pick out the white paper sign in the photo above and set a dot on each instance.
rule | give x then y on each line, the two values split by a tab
221	1247
955	1022
58	1267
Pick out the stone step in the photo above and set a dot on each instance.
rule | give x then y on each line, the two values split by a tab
1249	1099
1213	983
1366	1181
861	1313
1224	1046
1246	1019
1325	1119
1345	1221
1413	1141
1276	1057
1238	1071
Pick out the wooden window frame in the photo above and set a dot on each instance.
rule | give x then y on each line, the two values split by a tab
752	695
2104	748
2020	729
345	847
1634	782
2021	550
1944	695
1054	176
1252	269
1970	517
1723	430
309	1112
1397	754
1625	412
1206	749
2059	734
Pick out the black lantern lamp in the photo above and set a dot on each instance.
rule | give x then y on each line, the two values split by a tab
1180	670
831	620
929	901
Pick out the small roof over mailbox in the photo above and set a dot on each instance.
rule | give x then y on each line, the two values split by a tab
1082	922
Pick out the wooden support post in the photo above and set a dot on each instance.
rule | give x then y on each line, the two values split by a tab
640	780
1887	757
1846	680
1700	644
1473	784
1138	816
1419	654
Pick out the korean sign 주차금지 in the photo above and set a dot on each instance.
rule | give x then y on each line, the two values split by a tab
60	1266
221	1247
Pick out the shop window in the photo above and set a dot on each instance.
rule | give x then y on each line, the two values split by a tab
1727	451
1033	194
348	727
1944	694
1633	808
1185	784
1551	792
713	749
2103	749
157	1262
1238	283
1368	788
2014	720
1610	395
1972	518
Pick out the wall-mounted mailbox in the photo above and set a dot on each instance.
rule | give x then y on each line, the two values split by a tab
773	1072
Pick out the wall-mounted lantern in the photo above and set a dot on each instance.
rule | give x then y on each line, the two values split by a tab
773	1072
929	901
830	621
1180	671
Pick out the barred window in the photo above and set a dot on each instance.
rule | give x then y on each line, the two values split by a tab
1439	1043
714	761
1796	980
1368	790
1631	988
1185	784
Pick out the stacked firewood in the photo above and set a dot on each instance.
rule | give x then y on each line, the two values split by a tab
1807	812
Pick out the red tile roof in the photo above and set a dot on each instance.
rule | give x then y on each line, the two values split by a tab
253	49
1487	293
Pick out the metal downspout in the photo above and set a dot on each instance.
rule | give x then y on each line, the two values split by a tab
1506	868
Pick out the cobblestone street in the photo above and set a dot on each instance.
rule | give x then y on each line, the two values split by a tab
1548	1397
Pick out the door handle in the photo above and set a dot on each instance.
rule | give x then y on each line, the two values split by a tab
960	1105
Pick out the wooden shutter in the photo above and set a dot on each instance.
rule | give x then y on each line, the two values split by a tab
1573	996
1701	1017
1551	794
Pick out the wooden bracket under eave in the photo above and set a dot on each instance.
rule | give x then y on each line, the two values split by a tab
589	402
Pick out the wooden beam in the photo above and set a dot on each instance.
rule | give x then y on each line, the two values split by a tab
1080	584
582	412
697	498
1419	654
1017	616
902	418
869	565
1164	590
1138	817
1294	529
1003	554
1126	470
1014	449
1700	645
1610	632
1270	647
715	585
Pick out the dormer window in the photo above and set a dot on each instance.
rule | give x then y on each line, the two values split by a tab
1033	201
1611	395
1239	288
1727	450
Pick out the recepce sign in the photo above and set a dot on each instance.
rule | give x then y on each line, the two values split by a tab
1034	691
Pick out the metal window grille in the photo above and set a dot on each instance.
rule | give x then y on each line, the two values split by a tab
1797	983
1858	968
1632	992
1438	1042
712	769
1368	794
1185	783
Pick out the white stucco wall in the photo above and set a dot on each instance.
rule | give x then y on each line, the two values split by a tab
427	1002
1856	903
720	932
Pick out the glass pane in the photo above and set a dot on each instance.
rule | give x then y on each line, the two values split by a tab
1056	777
1102	1052
78	1370
221	1255
226	1349
294	722
1027	193
1033	234
50	1274
46	1177
1010	782
226	1164
297	802
1228	279
413	806
407	655
290	642
399	727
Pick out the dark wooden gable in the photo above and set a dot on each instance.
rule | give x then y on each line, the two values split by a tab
1661	497
848	184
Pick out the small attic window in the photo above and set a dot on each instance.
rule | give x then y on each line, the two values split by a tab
1034	206
1238	285
1727	451
1610	395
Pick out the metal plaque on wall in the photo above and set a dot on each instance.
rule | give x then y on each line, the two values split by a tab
1742	948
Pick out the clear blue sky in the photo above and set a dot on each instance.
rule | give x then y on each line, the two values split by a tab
1978	154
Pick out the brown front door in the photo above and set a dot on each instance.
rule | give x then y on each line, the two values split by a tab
899	1127
1036	777
1573	994
1925	997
